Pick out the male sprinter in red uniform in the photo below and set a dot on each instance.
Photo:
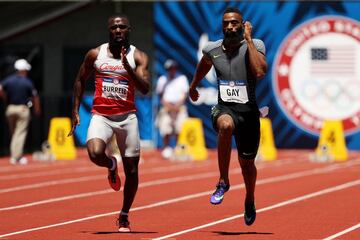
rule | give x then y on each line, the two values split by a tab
119	68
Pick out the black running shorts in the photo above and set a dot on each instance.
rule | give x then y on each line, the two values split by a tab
247	128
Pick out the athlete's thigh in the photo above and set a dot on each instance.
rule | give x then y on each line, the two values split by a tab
127	136
99	128
221	114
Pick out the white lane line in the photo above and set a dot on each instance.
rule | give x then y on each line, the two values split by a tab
92	169
95	177
141	185
58	199
188	197
24	169
157	204
47	172
57	224
186	178
32	167
50	183
343	232
278	205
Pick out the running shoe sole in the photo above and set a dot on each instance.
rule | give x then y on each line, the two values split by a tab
124	229
124	224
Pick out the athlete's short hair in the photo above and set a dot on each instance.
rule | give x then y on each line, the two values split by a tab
232	10
119	15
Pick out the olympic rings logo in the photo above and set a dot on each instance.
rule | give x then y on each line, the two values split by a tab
331	94
315	74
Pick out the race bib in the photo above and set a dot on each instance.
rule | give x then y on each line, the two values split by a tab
233	91
114	88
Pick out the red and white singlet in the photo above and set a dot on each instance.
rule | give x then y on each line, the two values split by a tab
114	89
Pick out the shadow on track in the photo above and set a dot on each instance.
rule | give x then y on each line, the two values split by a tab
115	232
241	233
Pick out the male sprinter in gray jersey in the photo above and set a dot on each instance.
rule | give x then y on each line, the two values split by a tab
239	61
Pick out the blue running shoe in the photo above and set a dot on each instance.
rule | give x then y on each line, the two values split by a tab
218	195
250	214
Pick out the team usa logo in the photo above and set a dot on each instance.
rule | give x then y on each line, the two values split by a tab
316	75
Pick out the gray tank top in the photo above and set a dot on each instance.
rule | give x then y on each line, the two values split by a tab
236	83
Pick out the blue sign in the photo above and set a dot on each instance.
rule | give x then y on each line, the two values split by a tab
182	29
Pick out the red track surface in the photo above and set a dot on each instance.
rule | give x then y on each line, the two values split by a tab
295	199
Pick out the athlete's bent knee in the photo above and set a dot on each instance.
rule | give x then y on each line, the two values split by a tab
96	153
225	127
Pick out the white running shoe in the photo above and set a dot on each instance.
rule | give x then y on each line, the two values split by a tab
23	161
13	161
167	152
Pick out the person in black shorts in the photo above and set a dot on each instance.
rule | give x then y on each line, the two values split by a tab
239	61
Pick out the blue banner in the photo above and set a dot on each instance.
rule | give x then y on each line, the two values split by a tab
304	85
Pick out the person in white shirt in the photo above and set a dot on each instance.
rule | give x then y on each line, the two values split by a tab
172	89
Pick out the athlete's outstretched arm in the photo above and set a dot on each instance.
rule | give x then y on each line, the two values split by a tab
86	69
141	74
202	69
257	60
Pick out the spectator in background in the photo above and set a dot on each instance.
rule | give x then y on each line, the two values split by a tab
20	95
172	89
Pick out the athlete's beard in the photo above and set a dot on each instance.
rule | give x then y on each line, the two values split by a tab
233	38
118	43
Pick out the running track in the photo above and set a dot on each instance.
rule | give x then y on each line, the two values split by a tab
295	198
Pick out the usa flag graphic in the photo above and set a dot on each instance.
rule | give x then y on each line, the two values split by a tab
334	60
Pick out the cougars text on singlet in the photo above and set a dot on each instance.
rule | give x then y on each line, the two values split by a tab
114	89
